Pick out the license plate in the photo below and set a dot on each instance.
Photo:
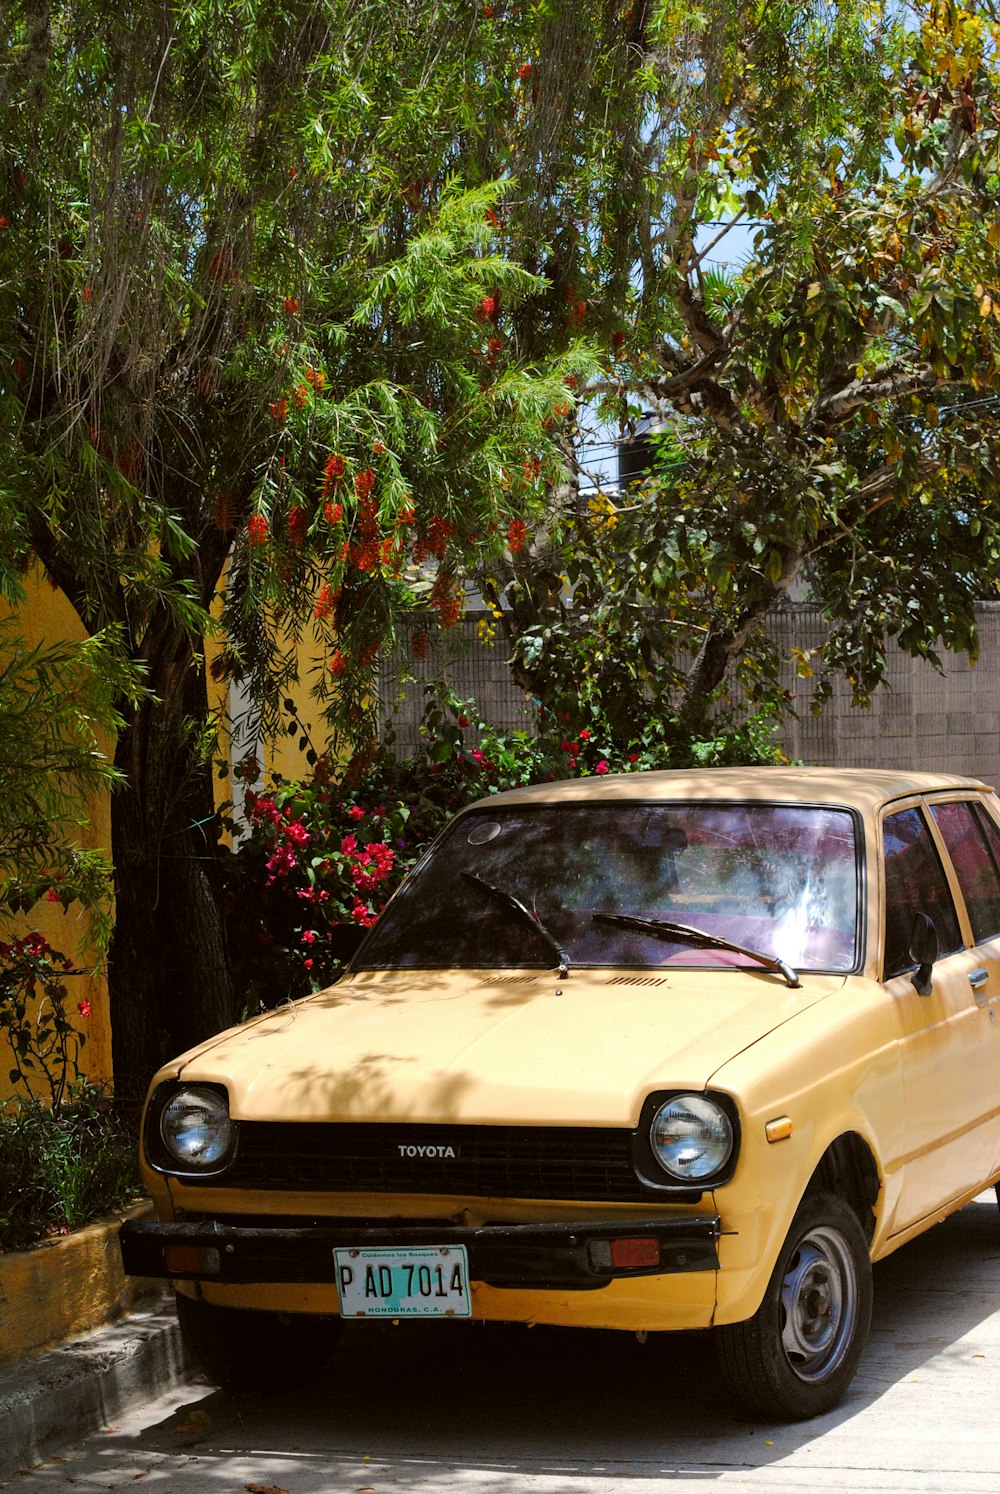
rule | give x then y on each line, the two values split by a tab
429	1281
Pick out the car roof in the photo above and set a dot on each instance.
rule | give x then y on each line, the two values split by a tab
865	789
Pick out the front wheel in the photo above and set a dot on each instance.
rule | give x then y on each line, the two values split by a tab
242	1350
798	1353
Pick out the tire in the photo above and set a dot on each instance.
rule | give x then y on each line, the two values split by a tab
242	1350
798	1353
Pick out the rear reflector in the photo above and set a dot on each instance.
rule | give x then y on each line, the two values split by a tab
196	1260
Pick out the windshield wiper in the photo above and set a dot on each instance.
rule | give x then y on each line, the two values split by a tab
688	935
510	901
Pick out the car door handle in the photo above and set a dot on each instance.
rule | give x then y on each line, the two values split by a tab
978	978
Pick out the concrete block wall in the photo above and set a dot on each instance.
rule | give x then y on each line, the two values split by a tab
946	721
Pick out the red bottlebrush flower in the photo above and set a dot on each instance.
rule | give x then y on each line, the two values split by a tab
84	1008
439	532
4	221
617	340
406	515
257	529
532	469
446	598
517	534
316	377
585	734
368	653
524	71
220	266
491	218
364	482
279	411
298	522
378	448
86	294
293	172
418	644
338	663
493	349
291	305
488	12
326	602
333	512
333	471
602	766
300	396
488	308
52	896
223	512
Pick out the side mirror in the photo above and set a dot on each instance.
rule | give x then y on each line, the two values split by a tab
923	951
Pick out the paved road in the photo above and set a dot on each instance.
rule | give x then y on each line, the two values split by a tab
469	1409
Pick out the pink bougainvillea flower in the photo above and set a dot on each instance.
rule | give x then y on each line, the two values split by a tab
602	766
84	1008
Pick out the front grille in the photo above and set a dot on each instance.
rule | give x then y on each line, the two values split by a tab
490	1161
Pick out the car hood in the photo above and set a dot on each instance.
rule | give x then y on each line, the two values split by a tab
495	1046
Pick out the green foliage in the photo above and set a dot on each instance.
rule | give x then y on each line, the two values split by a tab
59	1171
57	703
827	400
324	855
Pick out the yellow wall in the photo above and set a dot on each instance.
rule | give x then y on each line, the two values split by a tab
46	616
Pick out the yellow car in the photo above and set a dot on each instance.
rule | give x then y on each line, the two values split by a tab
658	1051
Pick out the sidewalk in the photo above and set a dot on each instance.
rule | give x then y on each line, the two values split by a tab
69	1392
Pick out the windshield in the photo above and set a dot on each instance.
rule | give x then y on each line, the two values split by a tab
774	878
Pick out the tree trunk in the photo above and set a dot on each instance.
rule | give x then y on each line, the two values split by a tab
169	973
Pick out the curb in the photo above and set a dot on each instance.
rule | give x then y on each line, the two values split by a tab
74	1390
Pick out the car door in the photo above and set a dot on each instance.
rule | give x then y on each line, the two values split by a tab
949	1138
972	839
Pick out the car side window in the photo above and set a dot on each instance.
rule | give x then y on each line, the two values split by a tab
974	866
914	883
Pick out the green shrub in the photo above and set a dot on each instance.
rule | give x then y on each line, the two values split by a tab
61	1169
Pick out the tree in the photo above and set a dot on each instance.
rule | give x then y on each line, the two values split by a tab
250	343
828	404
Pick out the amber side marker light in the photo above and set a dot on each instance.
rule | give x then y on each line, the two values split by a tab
779	1129
182	1259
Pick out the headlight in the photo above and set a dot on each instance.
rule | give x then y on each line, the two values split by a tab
195	1127
691	1137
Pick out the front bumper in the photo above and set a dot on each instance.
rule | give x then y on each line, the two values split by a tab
574	1256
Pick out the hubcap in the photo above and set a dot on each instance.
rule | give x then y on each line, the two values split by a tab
819	1304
